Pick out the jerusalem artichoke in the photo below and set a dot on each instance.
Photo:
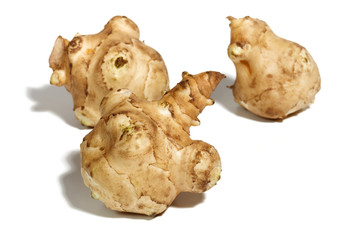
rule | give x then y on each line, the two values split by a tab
274	77
91	66
139	156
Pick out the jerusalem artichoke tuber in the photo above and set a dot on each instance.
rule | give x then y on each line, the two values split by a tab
90	66
139	156
274	77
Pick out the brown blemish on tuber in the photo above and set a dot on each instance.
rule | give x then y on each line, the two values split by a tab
75	45
120	62
274	77
139	156
91	66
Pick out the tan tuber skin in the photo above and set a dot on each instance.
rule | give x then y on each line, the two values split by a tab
91	66
274	77
139	156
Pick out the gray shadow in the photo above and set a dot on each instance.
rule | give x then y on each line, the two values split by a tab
55	100
78	195
188	200
224	96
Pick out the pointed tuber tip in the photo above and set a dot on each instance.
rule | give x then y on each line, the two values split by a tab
214	78
230	18
208	81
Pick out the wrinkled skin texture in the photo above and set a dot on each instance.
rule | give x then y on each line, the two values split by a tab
139	156
274	77
91	66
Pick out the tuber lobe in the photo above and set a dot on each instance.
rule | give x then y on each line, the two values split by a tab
274	77
91	66
139	156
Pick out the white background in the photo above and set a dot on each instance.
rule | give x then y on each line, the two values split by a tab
295	179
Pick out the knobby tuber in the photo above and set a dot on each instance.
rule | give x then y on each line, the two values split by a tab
139	156
91	66
274	77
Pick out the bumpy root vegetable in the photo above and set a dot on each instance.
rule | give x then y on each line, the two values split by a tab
274	77
139	156
91	66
